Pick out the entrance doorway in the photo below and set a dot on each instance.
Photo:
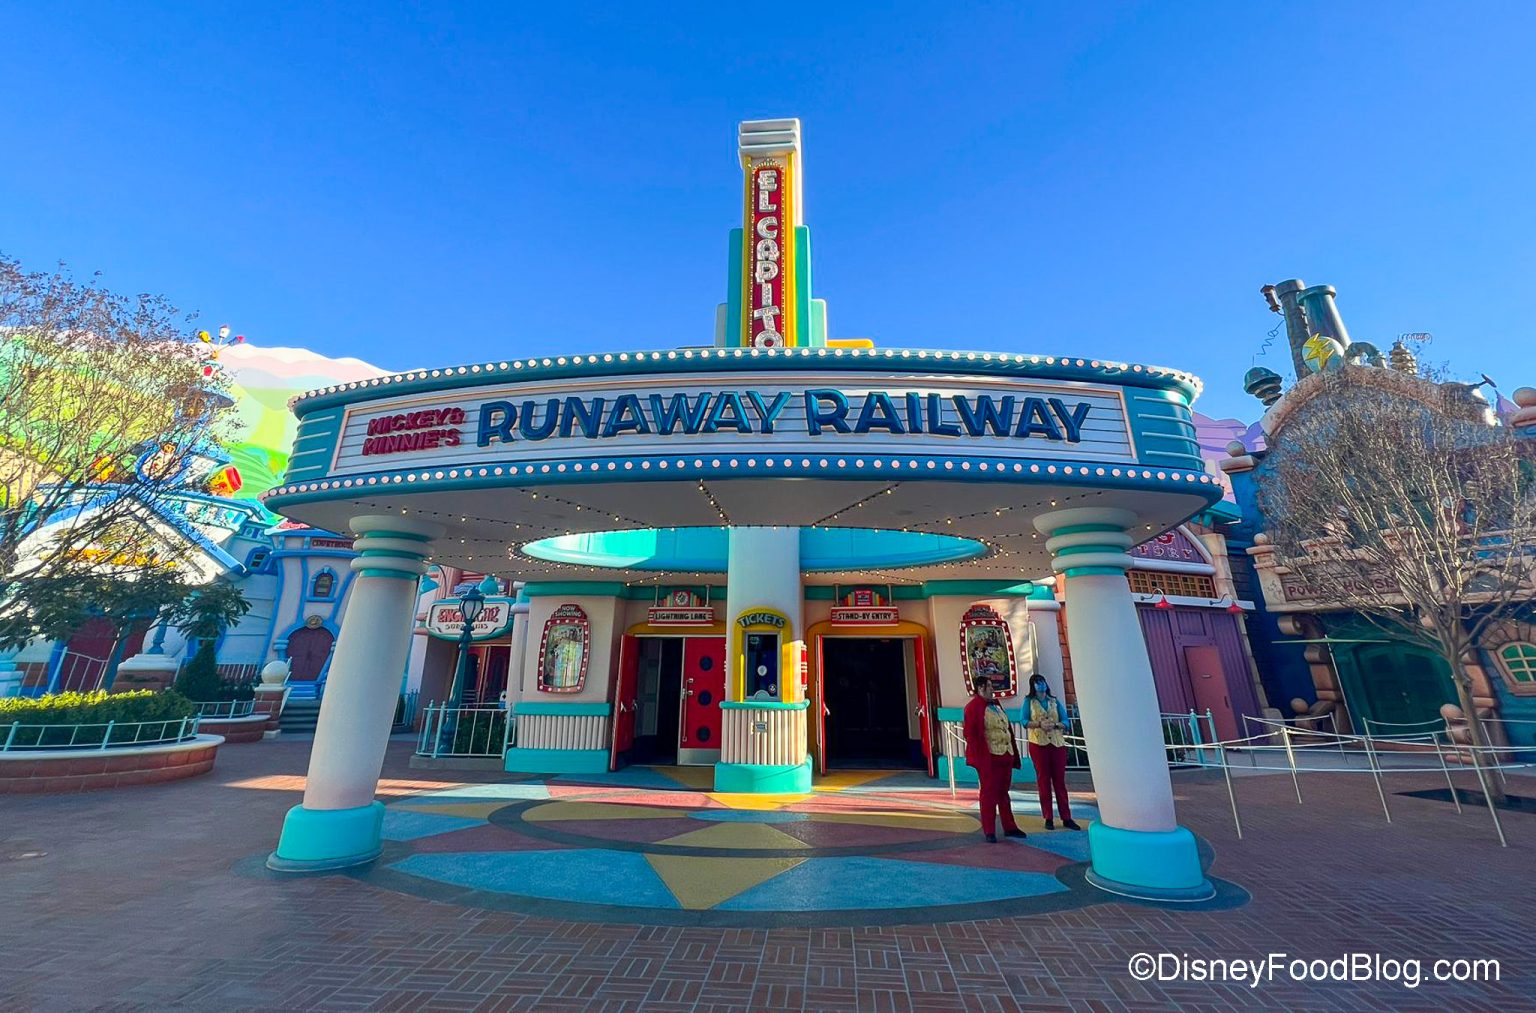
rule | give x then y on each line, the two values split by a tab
658	699
869	697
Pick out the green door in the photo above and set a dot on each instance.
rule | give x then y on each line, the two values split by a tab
1395	685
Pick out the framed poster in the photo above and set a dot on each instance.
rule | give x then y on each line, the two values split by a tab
986	648
563	651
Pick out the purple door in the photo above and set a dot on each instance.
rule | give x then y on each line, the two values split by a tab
307	650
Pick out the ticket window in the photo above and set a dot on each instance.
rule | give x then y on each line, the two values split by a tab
762	666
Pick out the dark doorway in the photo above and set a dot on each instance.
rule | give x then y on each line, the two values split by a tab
658	700
864	687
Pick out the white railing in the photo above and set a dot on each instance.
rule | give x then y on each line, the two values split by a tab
20	736
465	731
225	710
79	673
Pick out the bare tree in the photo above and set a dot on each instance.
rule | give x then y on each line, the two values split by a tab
103	398
1400	499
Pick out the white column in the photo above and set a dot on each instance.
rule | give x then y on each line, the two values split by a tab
763	569
1136	846
338	824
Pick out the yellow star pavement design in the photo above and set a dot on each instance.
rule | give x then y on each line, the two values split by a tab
597	811
838	780
700	883
761	803
944	822
746	836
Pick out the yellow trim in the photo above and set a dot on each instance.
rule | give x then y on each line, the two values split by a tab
902	630
850	343
790	651
788	239
791	307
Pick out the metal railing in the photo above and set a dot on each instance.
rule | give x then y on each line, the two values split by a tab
79	673
108	735
408	705
225	710
477	731
1427	752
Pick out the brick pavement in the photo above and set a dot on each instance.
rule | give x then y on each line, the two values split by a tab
153	898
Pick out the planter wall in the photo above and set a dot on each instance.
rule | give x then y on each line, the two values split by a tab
37	771
234	730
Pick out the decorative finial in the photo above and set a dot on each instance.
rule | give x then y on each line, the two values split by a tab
1263	384
1403	359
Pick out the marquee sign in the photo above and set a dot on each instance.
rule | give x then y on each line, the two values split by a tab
986	649
641	415
446	622
768	246
563	650
681	608
864	607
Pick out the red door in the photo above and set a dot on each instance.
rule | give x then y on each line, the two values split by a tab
924	707
820	703
625	699
703	689
1209	682
307	650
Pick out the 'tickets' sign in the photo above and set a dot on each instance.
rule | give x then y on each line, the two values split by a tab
446	622
769	244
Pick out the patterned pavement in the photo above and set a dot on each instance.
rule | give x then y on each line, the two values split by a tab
154	899
861	848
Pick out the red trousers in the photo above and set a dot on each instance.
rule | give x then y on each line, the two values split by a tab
996	778
1051	772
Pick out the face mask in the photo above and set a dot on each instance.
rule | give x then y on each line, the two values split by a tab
1041	688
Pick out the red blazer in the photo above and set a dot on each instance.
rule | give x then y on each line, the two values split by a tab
977	752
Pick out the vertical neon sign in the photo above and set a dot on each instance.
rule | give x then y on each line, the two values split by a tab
768	252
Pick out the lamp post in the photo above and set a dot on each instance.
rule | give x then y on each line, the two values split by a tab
470	604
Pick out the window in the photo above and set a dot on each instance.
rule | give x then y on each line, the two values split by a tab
324	584
1518	661
256	562
1188	585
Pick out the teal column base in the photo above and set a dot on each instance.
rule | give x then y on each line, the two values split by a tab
1147	864
315	840
964	772
762	779
1023	778
557	761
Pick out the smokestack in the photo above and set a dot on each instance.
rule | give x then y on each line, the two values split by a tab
1317	301
1295	321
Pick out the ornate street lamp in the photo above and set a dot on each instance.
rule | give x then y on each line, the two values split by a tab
470	604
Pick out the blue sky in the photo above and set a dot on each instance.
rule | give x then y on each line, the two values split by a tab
419	185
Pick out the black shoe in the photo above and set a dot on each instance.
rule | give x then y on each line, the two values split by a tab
1070	825
1050	824
991	838
1015	833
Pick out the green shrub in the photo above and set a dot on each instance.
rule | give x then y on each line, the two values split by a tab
164	711
199	679
480	732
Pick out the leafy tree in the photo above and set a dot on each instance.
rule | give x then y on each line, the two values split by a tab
90	382
209	610
1400	499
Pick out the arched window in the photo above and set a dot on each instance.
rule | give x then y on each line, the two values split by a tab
1518	661
257	561
323	585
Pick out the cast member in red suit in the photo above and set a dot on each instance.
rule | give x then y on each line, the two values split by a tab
991	751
